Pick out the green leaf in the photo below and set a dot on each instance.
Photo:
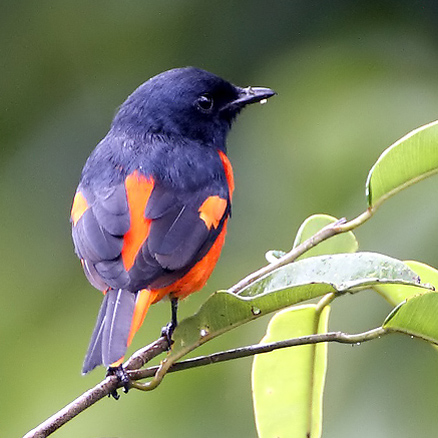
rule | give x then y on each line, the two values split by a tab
288	384
340	271
411	159
396	293
417	316
287	285
341	243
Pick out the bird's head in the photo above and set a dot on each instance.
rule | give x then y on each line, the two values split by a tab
188	103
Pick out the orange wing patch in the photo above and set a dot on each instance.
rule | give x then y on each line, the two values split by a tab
212	210
138	191
79	207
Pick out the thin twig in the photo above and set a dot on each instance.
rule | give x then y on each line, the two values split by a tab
323	234
252	350
338	227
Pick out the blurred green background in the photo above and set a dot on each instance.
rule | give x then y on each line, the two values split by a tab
352	77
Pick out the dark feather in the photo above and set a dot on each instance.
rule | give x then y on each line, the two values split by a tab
110	335
176	236
113	199
113	272
111	210
103	244
119	311
160	202
93	358
93	276
80	240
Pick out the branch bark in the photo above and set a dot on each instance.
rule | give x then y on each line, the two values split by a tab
252	350
101	390
109	384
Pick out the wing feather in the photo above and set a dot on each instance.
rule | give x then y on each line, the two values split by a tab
103	244
111	210
125	247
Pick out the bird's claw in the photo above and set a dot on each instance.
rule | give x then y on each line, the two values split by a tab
122	377
167	332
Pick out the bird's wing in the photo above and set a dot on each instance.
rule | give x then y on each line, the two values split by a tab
139	231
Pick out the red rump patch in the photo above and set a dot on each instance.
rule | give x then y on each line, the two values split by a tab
138	190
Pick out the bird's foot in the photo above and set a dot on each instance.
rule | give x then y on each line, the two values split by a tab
167	332
122	377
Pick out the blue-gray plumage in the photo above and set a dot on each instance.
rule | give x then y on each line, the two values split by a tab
151	208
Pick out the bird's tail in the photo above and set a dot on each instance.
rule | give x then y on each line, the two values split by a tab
121	315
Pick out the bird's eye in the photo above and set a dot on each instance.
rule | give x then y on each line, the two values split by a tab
205	103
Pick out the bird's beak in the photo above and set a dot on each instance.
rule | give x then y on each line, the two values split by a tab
249	95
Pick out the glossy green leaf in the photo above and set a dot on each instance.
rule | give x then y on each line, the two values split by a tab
341	243
411	159
417	316
287	285
288	384
396	293
341	271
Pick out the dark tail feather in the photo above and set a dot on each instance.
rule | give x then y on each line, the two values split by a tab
93	358
110	335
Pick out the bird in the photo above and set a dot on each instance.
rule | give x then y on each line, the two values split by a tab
150	212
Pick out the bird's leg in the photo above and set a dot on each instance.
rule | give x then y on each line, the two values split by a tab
122	377
168	330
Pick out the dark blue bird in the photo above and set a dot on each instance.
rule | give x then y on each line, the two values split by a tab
150	212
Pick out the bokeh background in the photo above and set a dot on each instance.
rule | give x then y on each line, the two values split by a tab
352	77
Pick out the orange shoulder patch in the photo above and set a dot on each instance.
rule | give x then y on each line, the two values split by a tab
212	210
79	207
138	190
228	172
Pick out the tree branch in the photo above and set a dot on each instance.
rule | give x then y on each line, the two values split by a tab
145	354
104	388
74	408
